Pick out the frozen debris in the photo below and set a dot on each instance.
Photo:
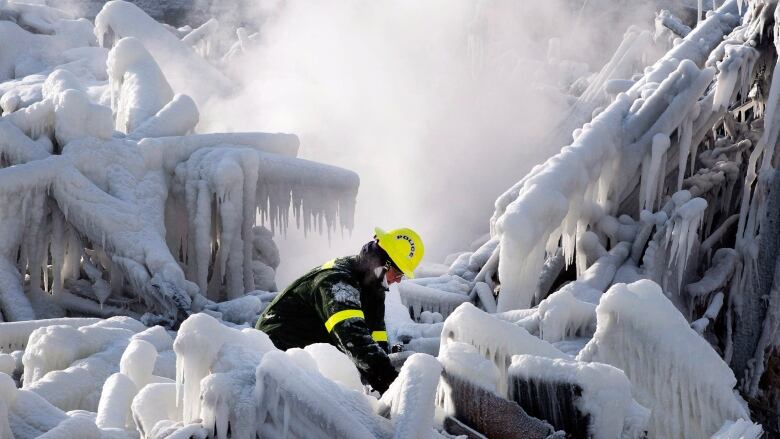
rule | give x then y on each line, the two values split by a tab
25	415
464	360
419	298
52	348
682	234
177	118
497	340
584	399
114	407
486	298
468	265
467	393
600	274
241	311
402	329
447	282
673	371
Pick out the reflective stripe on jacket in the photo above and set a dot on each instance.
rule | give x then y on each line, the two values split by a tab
333	304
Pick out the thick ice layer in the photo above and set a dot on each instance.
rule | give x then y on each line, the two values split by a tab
674	372
335	365
138	87
119	19
14	335
56	347
114	407
197	344
410	398
300	402
178	117
497	340
562	315
155	402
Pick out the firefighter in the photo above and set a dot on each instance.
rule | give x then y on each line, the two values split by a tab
342	303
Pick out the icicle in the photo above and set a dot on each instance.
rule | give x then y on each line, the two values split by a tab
661	143
699	8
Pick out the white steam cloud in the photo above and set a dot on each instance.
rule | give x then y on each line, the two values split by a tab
438	105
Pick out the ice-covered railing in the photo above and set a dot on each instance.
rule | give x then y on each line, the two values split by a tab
673	371
107	216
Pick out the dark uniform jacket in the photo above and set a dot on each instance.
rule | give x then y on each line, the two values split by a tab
340	303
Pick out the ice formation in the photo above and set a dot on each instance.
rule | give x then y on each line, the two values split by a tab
634	267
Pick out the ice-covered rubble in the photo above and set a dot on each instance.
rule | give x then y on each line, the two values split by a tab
602	402
673	371
119	199
495	339
112	202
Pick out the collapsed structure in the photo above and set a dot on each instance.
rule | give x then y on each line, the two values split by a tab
111	204
626	287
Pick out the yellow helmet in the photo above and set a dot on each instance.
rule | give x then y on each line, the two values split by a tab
404	247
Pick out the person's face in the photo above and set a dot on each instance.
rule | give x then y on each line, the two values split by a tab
393	275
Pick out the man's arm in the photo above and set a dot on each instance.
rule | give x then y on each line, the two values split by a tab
345	321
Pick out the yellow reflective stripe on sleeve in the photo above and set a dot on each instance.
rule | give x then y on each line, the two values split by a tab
340	316
379	335
328	264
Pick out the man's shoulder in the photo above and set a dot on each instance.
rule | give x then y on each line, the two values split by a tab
336	270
